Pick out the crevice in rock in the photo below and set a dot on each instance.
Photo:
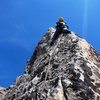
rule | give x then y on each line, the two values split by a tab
64	89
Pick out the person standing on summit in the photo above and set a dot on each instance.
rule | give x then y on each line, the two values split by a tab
61	27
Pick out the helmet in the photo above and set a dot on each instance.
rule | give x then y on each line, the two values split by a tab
61	19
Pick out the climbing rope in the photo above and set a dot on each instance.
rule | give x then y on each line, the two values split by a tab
49	65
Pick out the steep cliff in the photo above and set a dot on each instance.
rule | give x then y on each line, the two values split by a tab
68	70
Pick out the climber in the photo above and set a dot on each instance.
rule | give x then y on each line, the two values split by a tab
61	27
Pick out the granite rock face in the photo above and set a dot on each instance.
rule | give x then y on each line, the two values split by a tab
2	92
68	70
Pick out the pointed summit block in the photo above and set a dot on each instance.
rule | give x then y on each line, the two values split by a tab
68	70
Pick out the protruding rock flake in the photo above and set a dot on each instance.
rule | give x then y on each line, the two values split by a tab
67	70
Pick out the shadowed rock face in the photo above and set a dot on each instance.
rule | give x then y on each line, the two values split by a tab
68	70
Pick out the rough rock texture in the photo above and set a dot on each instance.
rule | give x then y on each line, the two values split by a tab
68	70
2	92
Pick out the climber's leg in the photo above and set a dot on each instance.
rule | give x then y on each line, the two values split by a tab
65	30
56	34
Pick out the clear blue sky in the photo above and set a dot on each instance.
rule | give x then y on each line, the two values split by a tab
23	23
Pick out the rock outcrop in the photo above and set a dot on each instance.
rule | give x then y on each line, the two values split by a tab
2	92
68	70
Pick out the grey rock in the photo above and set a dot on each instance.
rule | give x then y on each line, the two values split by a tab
2	93
68	70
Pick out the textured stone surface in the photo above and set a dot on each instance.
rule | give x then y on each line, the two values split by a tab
68	70
2	93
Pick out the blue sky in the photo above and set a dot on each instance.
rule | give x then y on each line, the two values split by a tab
23	23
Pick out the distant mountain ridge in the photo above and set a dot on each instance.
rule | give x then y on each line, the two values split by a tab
68	70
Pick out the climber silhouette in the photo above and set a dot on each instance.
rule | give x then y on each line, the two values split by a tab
61	27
